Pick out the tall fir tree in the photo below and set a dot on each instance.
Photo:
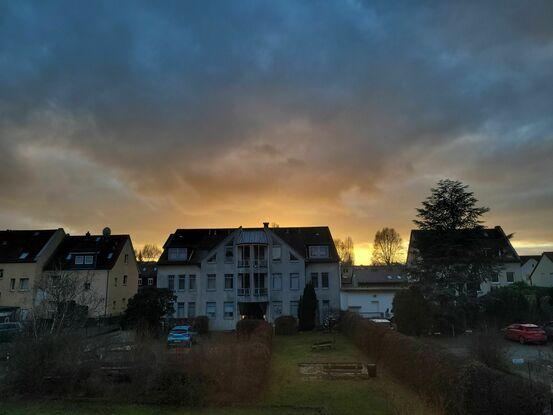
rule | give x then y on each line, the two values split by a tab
307	308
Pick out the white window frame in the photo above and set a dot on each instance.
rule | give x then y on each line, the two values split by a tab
277	276
182	278
294	276
21	280
211	278
191	304
88	260
226	314
209	304
277	252
318	251
150	281
177	254
79	259
231	278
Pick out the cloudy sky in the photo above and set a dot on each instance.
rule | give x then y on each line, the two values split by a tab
150	116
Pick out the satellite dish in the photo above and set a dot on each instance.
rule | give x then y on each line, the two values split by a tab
106	231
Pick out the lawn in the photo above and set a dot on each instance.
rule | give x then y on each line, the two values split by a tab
286	394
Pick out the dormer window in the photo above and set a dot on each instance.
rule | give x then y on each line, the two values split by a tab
23	255
178	254
110	255
88	259
318	251
68	258
79	260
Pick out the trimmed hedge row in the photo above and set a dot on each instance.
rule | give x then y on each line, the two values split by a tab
286	325
461	387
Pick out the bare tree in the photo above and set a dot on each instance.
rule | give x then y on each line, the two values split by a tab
149	252
345	250
388	247
64	298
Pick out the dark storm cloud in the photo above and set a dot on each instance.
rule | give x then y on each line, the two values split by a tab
210	110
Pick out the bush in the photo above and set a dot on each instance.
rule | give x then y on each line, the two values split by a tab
201	324
488	348
246	327
461	387
412	313
285	325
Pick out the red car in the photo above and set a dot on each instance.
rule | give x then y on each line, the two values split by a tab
525	333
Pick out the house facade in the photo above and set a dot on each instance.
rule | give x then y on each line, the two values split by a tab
527	265
147	274
102	267
495	244
370	290
23	255
542	275
234	273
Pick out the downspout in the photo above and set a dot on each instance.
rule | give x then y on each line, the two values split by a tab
106	302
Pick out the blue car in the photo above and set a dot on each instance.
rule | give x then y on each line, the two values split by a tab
180	336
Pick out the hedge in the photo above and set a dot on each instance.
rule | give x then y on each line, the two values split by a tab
286	325
460	386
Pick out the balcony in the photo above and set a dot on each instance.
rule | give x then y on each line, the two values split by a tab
256	263
255	294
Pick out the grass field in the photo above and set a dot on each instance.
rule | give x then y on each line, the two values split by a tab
287	392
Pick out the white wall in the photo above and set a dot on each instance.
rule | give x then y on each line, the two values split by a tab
543	274
371	302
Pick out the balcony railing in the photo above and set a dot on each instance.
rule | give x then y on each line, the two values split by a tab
256	263
260	263
243	263
257	292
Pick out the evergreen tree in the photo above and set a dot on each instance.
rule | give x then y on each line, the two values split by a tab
146	309
307	309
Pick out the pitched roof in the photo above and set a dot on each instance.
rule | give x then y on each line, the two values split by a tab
525	258
106	251
147	269
548	255
379	274
23	246
199	242
493	239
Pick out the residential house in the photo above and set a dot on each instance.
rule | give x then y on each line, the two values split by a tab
233	273
147	274
542	276
23	254
103	265
527	265
370	290
494	243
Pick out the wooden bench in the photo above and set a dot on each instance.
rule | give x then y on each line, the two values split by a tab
326	345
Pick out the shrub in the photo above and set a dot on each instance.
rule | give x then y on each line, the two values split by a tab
201	324
488	348
461	387
245	328
412	313
285	325
307	308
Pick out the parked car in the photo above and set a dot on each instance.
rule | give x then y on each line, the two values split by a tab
180	336
525	333
384	322
8	331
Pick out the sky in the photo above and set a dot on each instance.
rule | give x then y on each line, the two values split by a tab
151	116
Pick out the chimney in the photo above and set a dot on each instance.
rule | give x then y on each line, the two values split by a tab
266	225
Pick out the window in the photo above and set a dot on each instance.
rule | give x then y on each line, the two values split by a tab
177	254
495	278
192	282
115	281
293	257
510	277
150	281
191	310
277	282
110	255
276	307
324	280
212	259
171	282
79	259
294	281
87	286
126	258
24	284
294	308
180	309
211	282
88	259
229	310
229	281
182	282
12	284
125	278
277	252
23	255
211	310
315	279
139	282
318	251
229	254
